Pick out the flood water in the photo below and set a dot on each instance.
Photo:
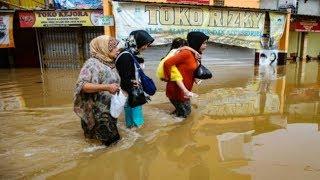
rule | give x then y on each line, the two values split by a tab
246	124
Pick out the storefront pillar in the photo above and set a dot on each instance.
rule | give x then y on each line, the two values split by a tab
304	46
284	41
107	11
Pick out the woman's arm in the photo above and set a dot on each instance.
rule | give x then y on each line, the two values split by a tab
197	55
84	83
92	88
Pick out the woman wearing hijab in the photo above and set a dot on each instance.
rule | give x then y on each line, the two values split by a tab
137	42
186	62
98	80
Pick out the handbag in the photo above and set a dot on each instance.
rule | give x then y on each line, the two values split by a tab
137	97
147	83
202	72
118	101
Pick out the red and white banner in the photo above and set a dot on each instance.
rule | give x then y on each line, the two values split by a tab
305	26
6	31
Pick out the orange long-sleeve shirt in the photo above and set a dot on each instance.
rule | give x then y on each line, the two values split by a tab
186	63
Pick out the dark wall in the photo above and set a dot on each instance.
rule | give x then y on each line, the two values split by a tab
26	51
4	59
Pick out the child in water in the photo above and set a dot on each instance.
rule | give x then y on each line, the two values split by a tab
178	44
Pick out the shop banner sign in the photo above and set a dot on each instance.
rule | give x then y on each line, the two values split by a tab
190	1
305	26
207	2
164	23
6	31
78	4
277	26
69	18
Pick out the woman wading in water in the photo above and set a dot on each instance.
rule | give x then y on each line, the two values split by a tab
98	80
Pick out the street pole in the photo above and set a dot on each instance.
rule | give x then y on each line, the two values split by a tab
39	51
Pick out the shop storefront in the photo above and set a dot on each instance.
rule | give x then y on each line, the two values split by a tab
63	37
66	47
305	37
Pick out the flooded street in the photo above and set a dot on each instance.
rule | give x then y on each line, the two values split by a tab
244	125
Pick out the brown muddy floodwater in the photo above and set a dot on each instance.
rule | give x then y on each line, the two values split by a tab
248	123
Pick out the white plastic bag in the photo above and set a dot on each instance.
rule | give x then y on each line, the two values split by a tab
118	101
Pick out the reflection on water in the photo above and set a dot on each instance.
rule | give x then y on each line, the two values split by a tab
235	146
248	123
290	153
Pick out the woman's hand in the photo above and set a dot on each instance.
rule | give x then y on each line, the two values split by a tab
164	79
113	88
196	54
135	83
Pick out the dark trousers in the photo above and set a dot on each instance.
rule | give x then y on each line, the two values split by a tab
183	108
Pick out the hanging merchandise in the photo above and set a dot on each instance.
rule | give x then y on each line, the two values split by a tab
277	25
6	31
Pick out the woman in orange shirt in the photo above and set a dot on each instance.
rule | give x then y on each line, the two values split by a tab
186	63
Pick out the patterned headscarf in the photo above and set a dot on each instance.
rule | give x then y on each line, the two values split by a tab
131	45
100	48
137	39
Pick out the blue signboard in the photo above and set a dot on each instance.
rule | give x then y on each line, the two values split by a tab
78	4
